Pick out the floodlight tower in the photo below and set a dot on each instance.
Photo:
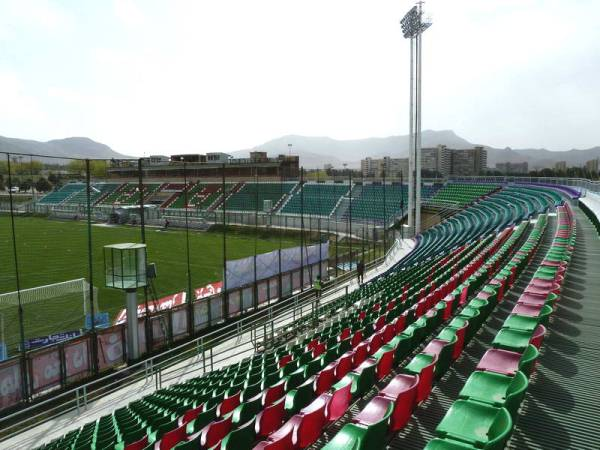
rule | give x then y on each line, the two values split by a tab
413	27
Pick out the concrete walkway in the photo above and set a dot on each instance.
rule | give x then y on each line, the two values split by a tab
231	351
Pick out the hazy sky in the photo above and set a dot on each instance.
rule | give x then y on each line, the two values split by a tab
216	75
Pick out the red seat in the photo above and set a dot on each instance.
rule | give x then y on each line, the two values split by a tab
311	423
318	349
344	365
390	305
190	414
284	360
399	324
402	390
138	445
270	418
375	343
388	333
385	363
360	354
356	339
325	378
379	323
362	315
538	336
214	432
273	393
374	412
421	308
525	309
229	404
338	402
172	438
345	334
500	361
460	340
449	301
312	344
282	439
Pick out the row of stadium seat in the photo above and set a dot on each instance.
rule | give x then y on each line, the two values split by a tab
461	194
487	407
239	383
250	383
60	195
318	199
390	410
251	196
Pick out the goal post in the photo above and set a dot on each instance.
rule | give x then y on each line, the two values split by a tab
47	310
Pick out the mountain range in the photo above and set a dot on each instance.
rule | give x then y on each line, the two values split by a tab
315	152
72	147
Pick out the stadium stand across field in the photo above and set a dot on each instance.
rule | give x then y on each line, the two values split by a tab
365	377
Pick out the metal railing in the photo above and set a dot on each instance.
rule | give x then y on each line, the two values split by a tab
161	370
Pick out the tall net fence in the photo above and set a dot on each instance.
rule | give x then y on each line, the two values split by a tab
286	226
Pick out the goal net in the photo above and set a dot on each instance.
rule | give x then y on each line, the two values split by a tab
47	310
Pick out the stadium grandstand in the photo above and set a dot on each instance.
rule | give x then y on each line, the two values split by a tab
480	332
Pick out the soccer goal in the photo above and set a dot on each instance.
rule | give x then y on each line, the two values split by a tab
50	309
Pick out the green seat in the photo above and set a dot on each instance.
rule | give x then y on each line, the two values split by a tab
362	378
512	339
295	379
247	410
477	424
240	439
518	322
298	398
203	419
404	344
528	358
358	436
496	389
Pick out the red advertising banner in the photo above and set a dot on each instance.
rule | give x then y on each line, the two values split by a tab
77	360
45	369
10	383
110	349
170	301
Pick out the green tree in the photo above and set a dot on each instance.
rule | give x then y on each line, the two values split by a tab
42	185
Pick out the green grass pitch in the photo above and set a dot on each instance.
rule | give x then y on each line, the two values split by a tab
51	251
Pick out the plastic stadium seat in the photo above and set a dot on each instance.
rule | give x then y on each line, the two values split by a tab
241	438
192	444
247	410
443	351
363	377
538	336
385	361
422	365
171	438
190	414
370	434
496	389
273	393
378	409
343	365
325	379
357	338
500	361
300	397
512	339
214	432
402	390
138	445
229	404
375	342
339	400
477	424
361	352
456	335
270	418
311	423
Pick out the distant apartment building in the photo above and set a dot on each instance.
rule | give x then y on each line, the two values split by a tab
592	165
446	161
561	166
508	168
392	167
436	159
